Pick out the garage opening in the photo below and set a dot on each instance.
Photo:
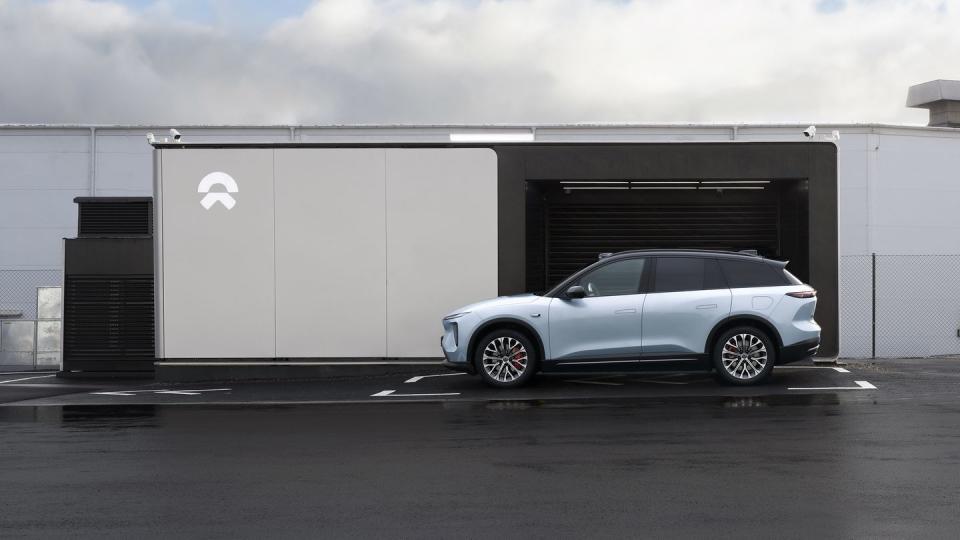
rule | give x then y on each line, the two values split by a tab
570	222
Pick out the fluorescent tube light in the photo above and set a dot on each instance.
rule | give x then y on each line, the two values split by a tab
491	137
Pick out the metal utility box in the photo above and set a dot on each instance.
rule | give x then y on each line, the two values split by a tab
108	301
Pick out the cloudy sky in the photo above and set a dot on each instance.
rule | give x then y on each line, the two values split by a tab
471	61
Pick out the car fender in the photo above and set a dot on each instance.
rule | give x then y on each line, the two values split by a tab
763	322
483	327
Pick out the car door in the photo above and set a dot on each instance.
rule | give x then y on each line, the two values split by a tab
606	324
688	297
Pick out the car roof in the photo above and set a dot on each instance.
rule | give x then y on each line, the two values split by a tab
718	254
747	255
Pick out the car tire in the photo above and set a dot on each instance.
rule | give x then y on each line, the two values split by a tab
506	358
744	355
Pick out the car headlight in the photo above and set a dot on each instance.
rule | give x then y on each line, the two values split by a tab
455	315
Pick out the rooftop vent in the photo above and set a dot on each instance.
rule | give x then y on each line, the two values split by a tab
941	98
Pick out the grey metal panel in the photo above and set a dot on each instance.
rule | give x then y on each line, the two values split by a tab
331	253
48	336
218	264
49	302
18	342
441	240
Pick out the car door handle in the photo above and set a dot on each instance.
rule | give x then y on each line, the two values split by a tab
625	311
707	306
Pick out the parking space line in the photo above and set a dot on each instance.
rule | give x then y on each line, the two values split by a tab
860	385
185	392
837	369
390	393
421	377
593	382
28	378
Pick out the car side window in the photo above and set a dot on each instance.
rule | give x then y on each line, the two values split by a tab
614	279
742	274
675	274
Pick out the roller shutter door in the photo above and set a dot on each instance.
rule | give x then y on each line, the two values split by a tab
575	233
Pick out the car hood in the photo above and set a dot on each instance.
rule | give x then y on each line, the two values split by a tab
499	301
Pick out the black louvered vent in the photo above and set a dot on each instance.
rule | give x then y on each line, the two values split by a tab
577	233
115	216
108	317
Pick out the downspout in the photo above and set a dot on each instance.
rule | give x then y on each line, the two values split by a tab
93	162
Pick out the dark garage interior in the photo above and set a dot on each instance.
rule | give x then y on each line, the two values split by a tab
570	222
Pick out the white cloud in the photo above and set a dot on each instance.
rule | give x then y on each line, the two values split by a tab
384	61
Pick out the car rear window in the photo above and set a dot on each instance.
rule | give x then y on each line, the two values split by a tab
741	274
675	274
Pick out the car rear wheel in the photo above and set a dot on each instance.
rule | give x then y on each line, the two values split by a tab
505	358
744	355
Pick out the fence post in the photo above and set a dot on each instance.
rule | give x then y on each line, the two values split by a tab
873	303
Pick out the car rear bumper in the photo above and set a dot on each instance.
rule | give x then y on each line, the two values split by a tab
799	351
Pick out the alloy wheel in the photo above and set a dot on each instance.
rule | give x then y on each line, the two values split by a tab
744	356
505	359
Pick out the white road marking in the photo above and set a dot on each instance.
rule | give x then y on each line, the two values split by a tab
655	381
420	377
860	385
28	378
595	382
192	392
390	393
837	369
180	392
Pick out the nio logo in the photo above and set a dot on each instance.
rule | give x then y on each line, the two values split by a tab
214	179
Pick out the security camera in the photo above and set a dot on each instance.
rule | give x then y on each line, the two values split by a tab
810	132
151	138
175	134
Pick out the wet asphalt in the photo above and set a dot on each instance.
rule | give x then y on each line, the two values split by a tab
651	455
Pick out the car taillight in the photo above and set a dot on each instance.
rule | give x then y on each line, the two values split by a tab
803	294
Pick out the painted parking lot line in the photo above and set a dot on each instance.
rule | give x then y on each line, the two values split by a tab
419	378
837	369
604	383
391	393
27	378
860	385
190	392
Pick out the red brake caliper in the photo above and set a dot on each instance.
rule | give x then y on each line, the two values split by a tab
516	358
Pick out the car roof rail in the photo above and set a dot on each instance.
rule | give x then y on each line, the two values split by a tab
751	252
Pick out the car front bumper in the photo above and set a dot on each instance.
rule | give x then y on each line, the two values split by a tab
455	342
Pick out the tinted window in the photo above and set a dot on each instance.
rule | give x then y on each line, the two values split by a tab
614	279
679	274
712	277
751	274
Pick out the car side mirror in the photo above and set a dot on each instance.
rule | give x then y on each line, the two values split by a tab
576	291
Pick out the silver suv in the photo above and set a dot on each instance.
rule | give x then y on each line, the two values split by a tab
736	313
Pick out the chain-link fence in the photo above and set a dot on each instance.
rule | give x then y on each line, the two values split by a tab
30	319
899	305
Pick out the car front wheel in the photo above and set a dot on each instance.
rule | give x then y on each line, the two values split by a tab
744	355
505	358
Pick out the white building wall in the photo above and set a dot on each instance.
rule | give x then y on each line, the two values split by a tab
898	190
